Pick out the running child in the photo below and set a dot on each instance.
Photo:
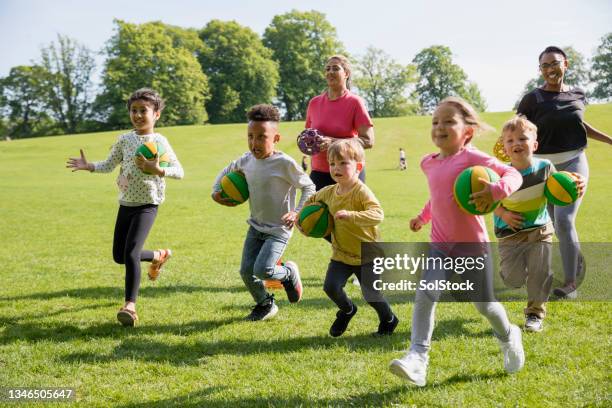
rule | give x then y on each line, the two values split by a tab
140	194
273	179
523	226
357	213
454	124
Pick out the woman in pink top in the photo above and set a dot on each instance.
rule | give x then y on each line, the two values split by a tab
453	126
337	114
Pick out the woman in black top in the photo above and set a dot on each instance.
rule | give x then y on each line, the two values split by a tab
558	113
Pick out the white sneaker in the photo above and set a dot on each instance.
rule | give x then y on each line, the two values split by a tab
514	356
533	323
412	367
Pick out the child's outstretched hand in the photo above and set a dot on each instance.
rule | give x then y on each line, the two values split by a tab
484	198
149	166
79	163
580	183
289	219
416	224
341	215
514	220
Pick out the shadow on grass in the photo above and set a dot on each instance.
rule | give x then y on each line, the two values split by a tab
456	328
62	310
464	378
201	399
106	292
64	333
280	298
196	353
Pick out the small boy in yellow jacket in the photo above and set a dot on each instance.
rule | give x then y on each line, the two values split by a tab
356	212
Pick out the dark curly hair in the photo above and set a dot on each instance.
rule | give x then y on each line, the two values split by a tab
554	50
147	95
263	113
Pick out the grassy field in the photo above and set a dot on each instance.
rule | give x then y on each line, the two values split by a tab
60	292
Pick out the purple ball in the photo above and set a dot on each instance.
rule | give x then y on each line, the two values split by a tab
309	141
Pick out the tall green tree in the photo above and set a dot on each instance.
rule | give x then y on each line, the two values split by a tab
67	85
601	69
240	69
301	43
384	83
439	78
22	105
157	56
577	74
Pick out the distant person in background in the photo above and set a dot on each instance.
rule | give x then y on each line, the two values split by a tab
558	111
402	159
337	113
304	164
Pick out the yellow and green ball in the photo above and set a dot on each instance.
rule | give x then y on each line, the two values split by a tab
315	220
467	183
234	186
152	149
561	188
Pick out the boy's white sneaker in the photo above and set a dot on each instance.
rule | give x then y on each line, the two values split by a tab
412	367
514	355
533	323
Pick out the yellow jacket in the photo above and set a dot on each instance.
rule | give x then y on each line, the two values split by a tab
365	213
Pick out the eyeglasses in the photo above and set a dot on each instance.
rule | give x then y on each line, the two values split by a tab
334	68
553	64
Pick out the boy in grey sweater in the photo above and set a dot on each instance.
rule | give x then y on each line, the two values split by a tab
273	179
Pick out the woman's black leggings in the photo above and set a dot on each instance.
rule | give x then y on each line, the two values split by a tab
131	230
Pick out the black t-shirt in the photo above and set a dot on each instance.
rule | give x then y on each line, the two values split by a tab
559	118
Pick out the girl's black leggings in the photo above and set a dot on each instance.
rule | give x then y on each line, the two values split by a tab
131	230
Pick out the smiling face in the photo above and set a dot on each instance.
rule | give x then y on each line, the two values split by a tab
449	132
335	73
143	116
519	146
553	66
262	136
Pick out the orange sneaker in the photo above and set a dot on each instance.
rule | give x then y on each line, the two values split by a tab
157	264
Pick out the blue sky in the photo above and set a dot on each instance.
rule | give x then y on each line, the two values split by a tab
495	42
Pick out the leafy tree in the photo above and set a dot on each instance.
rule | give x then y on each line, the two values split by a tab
601	69
22	103
157	56
66	84
576	75
471	93
240	69
439	78
301	43
383	83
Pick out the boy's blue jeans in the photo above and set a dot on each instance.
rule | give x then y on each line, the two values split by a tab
260	254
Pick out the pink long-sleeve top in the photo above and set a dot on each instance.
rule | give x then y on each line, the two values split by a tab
449	222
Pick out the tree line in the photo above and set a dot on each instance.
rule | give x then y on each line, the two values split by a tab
214	74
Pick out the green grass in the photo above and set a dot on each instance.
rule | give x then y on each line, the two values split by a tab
60	291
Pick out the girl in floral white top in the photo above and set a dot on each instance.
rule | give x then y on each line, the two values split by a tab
141	189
